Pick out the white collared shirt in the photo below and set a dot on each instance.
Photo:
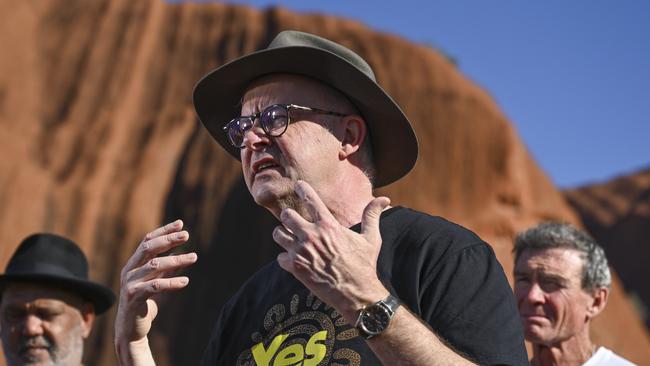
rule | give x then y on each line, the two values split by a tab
605	357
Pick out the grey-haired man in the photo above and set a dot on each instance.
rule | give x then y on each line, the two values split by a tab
359	283
562	282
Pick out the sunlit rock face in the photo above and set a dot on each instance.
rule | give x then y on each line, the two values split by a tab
617	214
100	143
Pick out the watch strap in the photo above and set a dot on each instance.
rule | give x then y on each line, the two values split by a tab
390	304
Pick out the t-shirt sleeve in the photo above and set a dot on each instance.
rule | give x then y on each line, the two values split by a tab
468	302
213	351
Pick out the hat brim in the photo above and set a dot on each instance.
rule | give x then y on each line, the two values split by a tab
217	99
100	296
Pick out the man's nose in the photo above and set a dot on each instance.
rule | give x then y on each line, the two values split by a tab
32	326
255	137
535	294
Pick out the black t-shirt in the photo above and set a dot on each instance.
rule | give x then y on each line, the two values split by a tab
442	272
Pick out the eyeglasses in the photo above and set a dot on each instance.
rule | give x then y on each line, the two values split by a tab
274	120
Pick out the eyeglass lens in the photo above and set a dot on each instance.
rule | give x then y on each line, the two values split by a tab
273	120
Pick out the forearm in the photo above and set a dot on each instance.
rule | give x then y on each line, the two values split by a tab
407	341
134	353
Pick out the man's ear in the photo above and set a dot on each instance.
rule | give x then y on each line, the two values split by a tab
87	318
354	133
598	302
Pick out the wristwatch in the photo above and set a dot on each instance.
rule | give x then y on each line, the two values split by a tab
375	318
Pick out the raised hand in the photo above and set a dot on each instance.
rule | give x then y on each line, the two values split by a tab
337	264
144	276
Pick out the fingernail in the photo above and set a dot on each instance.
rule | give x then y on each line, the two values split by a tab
299	188
183	280
182	235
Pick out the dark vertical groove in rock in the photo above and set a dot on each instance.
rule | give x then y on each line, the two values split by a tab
74	13
93	152
108	237
271	27
117	43
234	253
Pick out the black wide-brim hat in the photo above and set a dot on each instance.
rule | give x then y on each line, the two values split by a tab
52	260
218	94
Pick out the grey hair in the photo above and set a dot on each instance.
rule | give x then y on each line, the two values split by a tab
367	160
595	271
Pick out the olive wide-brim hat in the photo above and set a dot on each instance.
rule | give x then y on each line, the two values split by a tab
218	94
54	261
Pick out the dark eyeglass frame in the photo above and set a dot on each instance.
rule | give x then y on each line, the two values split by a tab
265	127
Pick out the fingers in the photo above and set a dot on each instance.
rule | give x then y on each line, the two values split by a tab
146	289
161	265
294	222
145	276
285	262
158	241
144	268
284	238
166	229
312	201
370	219
163	243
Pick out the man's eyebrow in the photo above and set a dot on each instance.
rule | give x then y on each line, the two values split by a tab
42	305
553	276
542	274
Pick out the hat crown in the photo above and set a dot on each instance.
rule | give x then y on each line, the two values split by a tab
217	96
292	38
48	254
53	260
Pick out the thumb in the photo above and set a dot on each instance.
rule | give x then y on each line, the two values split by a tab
370	219
151	309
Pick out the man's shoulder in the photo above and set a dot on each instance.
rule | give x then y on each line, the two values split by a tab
406	223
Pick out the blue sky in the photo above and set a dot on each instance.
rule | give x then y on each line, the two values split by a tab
573	76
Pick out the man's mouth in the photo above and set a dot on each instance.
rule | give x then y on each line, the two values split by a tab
534	318
34	346
264	164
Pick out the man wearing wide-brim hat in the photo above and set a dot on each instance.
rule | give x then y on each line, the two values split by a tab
47	303
359	282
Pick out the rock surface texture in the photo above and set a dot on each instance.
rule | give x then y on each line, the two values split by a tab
100	143
617	214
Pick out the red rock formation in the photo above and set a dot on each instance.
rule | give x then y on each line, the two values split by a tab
100	143
617	214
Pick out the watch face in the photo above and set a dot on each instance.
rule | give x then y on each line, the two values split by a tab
375	319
